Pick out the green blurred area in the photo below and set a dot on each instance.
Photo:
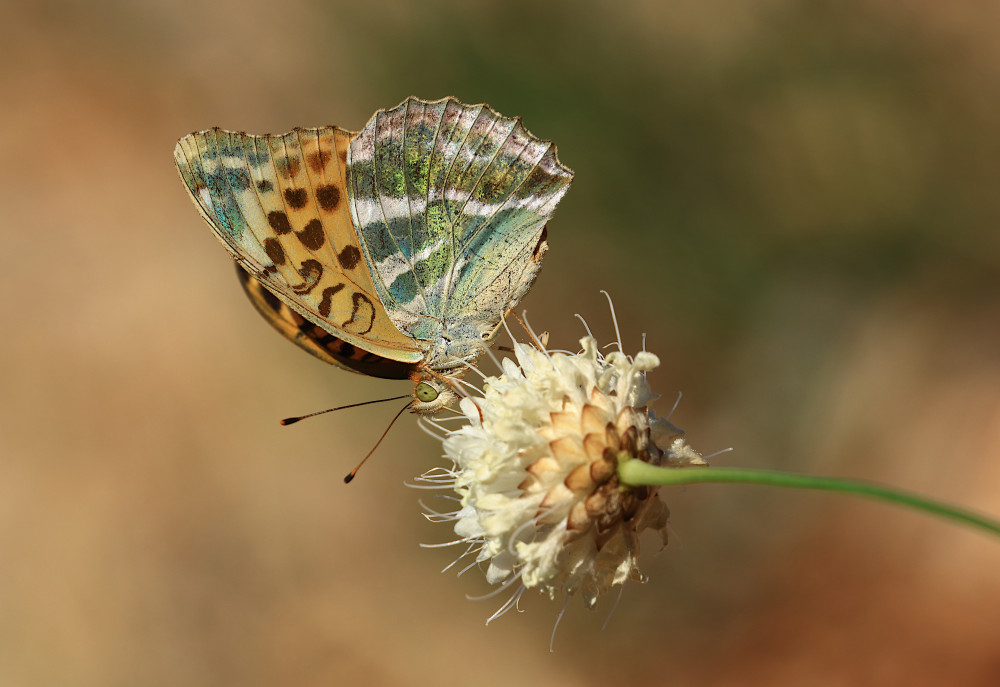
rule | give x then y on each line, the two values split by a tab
794	201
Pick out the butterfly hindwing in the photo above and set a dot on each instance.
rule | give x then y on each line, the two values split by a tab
279	203
500	228
450	201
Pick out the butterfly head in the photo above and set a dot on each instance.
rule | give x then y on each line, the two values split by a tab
431	394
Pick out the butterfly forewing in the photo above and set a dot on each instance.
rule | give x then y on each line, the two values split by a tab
279	204
204	175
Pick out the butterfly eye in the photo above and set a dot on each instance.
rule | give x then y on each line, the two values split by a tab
425	392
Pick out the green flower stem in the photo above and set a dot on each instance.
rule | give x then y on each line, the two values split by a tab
636	472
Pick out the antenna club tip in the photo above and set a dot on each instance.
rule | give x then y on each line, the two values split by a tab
348	478
289	421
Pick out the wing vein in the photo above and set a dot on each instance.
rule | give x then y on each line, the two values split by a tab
430	166
454	262
375	186
406	192
385	220
247	230
513	192
492	159
451	165
256	195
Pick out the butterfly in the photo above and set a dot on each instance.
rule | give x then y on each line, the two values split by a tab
394	251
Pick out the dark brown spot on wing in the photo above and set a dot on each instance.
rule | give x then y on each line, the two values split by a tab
264	186
328	197
343	156
311	271
331	343
317	161
315	340
279	222
362	311
317	334
296	197
274	251
363	361
312	237
257	292
349	257
327	302
272	301
288	166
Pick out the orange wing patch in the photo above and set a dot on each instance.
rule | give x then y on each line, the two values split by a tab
295	209
316	341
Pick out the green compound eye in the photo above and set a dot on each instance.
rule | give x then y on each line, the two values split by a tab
425	392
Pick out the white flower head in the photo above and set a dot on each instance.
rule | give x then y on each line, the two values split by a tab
535	470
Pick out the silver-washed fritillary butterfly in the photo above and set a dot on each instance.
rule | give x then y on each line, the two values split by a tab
394	251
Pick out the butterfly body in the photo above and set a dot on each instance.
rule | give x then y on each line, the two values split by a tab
408	240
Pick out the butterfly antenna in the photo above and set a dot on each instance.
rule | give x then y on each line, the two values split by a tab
353	472
292	420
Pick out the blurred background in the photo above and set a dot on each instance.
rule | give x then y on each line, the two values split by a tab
795	201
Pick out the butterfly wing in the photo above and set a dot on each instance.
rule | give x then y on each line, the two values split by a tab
450	201
279	204
314	340
500	230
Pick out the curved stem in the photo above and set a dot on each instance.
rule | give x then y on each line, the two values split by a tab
635	472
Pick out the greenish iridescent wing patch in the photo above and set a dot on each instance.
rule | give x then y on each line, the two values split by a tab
499	229
207	163
382	211
450	202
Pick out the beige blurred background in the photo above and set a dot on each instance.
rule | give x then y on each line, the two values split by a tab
796	201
